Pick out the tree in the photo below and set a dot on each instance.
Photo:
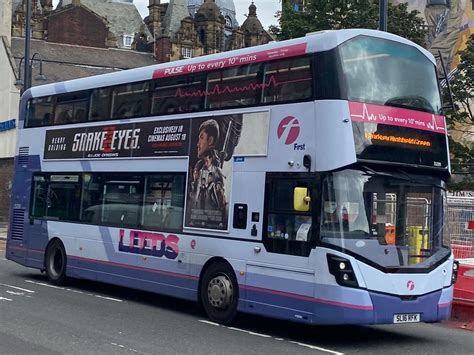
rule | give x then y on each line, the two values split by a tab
321	15
460	119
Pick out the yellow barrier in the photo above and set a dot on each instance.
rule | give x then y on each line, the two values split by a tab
418	243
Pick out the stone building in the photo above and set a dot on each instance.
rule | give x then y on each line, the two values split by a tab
191	28
120	21
9	97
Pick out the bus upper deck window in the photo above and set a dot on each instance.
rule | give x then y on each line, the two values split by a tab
288	80
40	111
178	94
233	87
131	100
100	104
71	107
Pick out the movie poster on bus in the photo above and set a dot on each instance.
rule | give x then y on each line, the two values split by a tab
141	139
214	142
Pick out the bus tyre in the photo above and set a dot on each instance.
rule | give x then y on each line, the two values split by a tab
220	293
55	263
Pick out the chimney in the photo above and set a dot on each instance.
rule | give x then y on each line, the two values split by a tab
154	17
76	2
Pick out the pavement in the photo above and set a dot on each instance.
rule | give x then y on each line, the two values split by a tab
3	231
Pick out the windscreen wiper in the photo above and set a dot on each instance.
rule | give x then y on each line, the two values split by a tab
411	179
406	177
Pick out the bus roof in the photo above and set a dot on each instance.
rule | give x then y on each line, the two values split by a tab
314	42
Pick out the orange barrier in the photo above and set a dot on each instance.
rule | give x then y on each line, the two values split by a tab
390	234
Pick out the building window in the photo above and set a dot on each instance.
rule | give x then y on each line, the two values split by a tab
127	41
186	52
228	22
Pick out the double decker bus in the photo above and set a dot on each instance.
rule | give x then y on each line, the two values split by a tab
301	180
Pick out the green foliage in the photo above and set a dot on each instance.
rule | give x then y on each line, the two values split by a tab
461	118
321	15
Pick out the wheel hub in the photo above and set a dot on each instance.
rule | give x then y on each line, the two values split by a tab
219	292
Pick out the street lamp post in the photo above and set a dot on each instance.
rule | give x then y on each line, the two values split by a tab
21	84
383	15
40	76
27	71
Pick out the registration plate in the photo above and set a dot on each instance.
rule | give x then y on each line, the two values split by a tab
406	318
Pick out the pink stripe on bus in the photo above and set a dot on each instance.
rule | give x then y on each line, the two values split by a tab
127	266
241	59
394	116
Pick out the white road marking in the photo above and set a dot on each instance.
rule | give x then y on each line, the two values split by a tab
314	347
124	347
70	290
249	332
211	323
46	285
17	288
108	298
5	299
317	348
15	293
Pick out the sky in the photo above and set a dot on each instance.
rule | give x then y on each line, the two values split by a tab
266	9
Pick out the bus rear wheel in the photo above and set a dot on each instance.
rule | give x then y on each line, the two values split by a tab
220	293
55	263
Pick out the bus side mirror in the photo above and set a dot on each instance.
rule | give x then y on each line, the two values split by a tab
301	199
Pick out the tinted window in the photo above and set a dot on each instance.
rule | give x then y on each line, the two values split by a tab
287	231
100	104
180	94
239	86
131	100
122	198
71	108
390	73
288	80
40	111
112	199
164	201
38	202
152	201
56	197
274	82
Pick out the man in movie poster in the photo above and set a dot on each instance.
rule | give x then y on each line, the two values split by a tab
213	141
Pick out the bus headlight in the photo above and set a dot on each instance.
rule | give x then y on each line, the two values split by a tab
342	270
454	275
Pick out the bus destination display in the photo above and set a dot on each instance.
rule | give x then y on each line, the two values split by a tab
383	133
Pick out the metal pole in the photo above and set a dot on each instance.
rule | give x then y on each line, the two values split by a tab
383	15
27	71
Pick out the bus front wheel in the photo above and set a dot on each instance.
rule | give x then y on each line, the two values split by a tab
55	263
220	293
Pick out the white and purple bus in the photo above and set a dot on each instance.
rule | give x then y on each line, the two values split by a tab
301	180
